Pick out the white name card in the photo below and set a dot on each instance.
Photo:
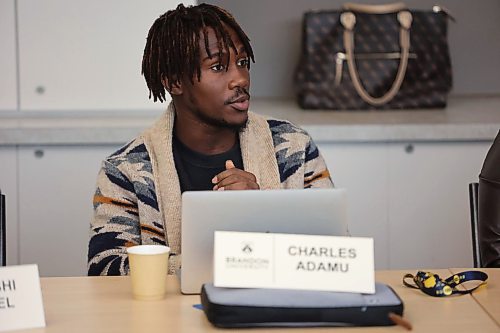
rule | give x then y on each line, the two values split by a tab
285	261
21	303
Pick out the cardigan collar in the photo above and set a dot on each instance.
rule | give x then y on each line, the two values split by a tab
257	151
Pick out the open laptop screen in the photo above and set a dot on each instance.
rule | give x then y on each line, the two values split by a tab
310	211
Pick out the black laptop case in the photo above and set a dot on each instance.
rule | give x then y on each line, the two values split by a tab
229	307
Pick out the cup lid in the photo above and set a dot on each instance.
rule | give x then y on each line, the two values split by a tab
148	249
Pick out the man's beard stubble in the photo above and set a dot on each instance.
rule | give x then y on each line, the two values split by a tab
221	123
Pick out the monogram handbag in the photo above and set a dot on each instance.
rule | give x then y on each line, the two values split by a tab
374	57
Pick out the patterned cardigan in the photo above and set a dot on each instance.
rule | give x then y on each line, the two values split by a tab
138	197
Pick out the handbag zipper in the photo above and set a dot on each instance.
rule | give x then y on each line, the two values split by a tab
340	57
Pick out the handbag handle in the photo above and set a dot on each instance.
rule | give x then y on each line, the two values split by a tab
375	9
348	20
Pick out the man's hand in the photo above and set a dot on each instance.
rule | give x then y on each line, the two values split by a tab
234	179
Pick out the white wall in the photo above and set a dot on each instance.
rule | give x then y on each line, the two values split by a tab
76	55
8	75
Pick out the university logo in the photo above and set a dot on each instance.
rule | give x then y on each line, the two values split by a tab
247	248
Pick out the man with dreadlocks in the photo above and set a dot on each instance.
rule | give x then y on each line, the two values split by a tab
206	140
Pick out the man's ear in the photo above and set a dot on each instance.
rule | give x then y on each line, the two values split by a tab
176	87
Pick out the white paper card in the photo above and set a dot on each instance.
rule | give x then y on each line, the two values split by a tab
21	304
265	260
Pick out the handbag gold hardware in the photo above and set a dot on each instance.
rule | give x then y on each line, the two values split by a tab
439	9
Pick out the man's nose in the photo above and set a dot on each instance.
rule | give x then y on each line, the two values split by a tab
240	78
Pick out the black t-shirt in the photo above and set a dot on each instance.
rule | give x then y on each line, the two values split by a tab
196	170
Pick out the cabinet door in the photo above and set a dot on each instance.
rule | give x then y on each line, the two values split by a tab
8	77
429	205
83	55
8	185
56	185
362	170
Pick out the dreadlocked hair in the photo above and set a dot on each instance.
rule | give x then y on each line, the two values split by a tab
172	48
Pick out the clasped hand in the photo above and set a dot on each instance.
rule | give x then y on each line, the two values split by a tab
234	179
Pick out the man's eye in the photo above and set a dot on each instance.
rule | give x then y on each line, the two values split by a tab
243	62
217	67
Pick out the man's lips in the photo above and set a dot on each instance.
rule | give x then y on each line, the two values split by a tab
241	103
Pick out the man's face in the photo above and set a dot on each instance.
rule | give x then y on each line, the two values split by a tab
220	98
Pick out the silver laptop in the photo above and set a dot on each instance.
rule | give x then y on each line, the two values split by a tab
311	211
